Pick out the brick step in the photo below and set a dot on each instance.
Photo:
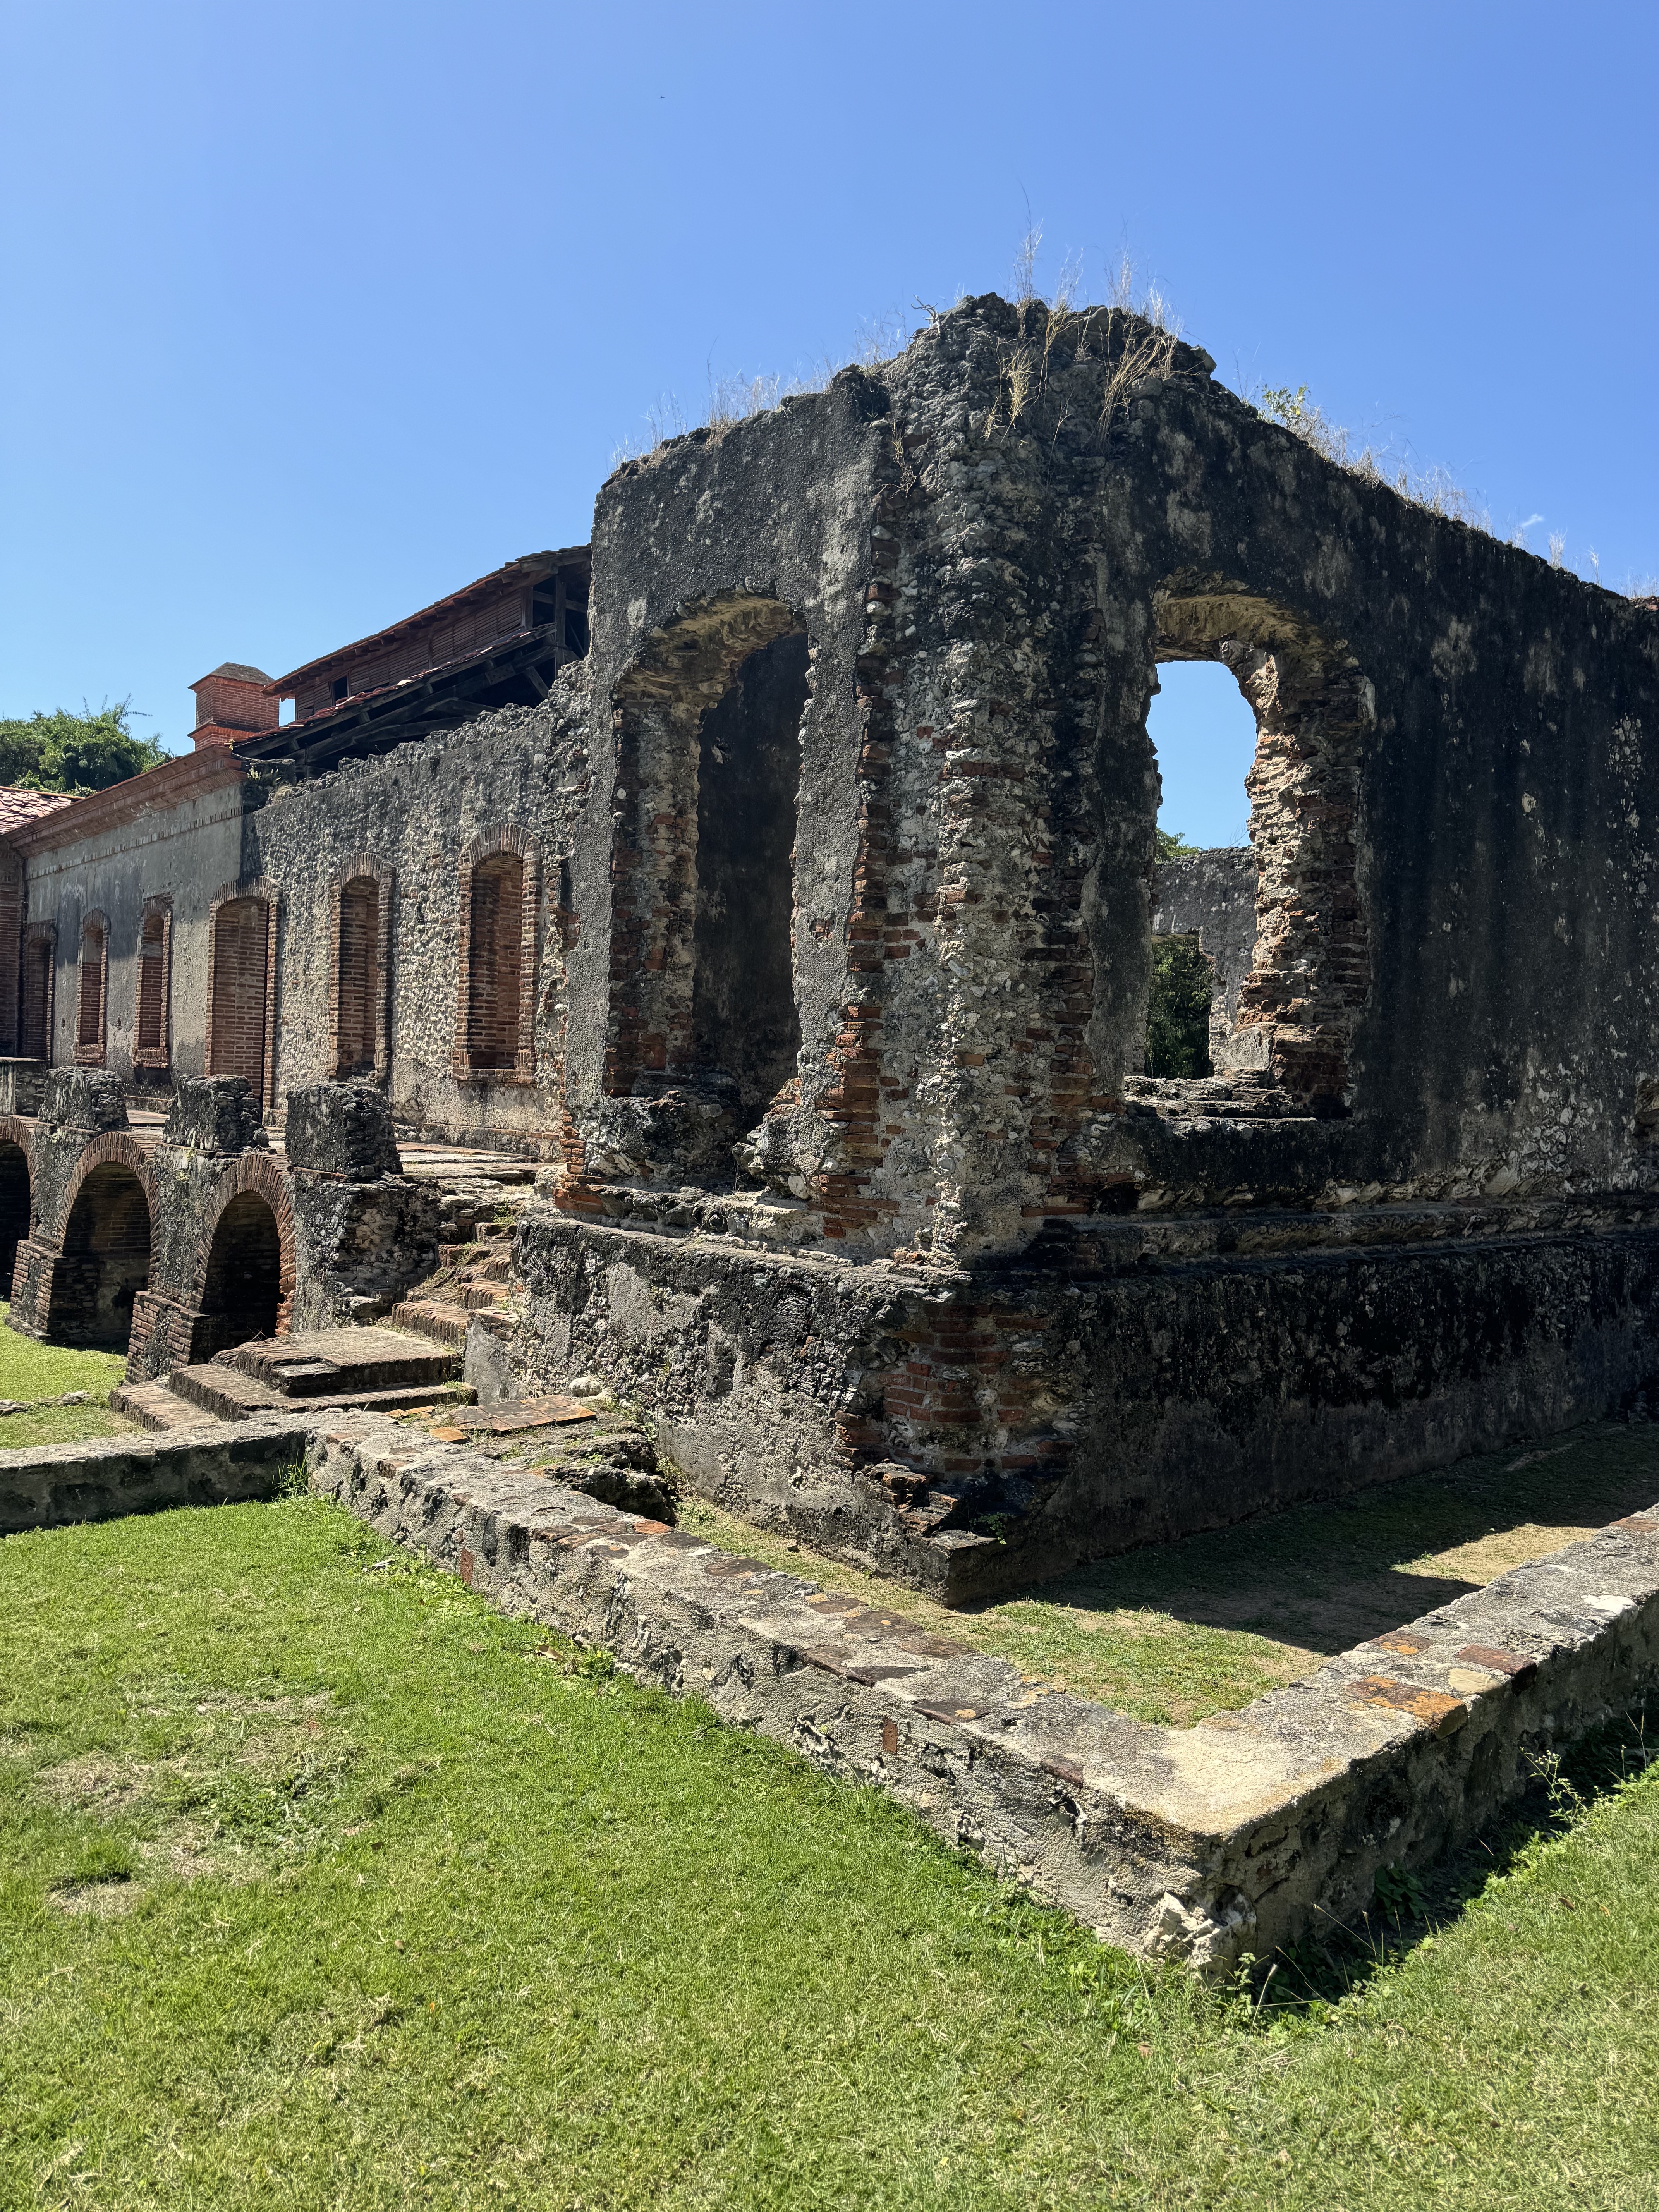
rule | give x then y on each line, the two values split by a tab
337	1363
222	1393
434	1317
154	1406
473	1295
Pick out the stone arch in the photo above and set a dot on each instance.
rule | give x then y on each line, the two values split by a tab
707	723
16	1194
104	1250
360	968
91	989
243	1270
500	890
241	1009
1309	973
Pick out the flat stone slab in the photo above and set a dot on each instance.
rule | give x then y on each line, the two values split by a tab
326	1362
508	1415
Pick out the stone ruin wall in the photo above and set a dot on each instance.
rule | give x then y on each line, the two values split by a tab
942	590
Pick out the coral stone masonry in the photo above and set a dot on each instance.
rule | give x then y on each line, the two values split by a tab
715	961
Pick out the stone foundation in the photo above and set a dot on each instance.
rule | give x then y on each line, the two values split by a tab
966	1432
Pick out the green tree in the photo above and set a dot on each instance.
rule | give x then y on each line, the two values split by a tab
77	753
1178	1009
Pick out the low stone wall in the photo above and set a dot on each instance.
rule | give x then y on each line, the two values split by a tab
1201	1843
44	1486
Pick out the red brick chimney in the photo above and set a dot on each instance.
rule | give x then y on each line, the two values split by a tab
231	704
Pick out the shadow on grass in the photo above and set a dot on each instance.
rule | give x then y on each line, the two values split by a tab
1307	1978
1324	1577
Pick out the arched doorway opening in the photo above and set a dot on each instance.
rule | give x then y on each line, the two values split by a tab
14	1209
709	726
105	1262
242	1294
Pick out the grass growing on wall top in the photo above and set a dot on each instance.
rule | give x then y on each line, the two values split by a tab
323	1885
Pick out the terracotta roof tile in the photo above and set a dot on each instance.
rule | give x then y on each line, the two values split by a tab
17	807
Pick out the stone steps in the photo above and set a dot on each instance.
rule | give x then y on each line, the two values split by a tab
224	1394
436	1318
334	1362
156	1407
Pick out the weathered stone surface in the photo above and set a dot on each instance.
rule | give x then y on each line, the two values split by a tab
1247	1831
1212	897
43	1486
341	1129
217	1115
1153	1378
83	1098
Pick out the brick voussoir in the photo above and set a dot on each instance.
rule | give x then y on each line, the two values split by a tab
1200	1843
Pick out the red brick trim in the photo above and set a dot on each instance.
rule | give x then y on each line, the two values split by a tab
37	1034
15	1132
362	868
484	847
114	1145
157	908
220	1049
92	992
259	1173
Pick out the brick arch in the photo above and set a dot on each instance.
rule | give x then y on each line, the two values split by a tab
234	1027
16	1206
152	999
78	1288
347	985
92	991
1309	975
117	1145
683	778
256	1174
485	964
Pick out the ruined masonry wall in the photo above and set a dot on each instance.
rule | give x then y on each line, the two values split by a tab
412	816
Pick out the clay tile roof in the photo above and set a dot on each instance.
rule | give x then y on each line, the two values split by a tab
242	670
17	807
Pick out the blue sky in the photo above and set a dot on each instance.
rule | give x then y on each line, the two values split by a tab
313	313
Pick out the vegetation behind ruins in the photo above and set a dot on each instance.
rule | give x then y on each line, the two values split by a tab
321	1882
75	753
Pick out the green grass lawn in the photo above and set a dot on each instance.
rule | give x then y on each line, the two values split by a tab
322	1885
31	1371
1176	1631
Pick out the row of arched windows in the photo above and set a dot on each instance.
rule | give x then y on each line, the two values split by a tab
499	890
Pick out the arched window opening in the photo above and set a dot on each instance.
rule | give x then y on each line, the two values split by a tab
14	1210
1246	684
38	948
151	1037
105	1262
242	1294
745	1029
495	961
238	992
358	977
94	977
